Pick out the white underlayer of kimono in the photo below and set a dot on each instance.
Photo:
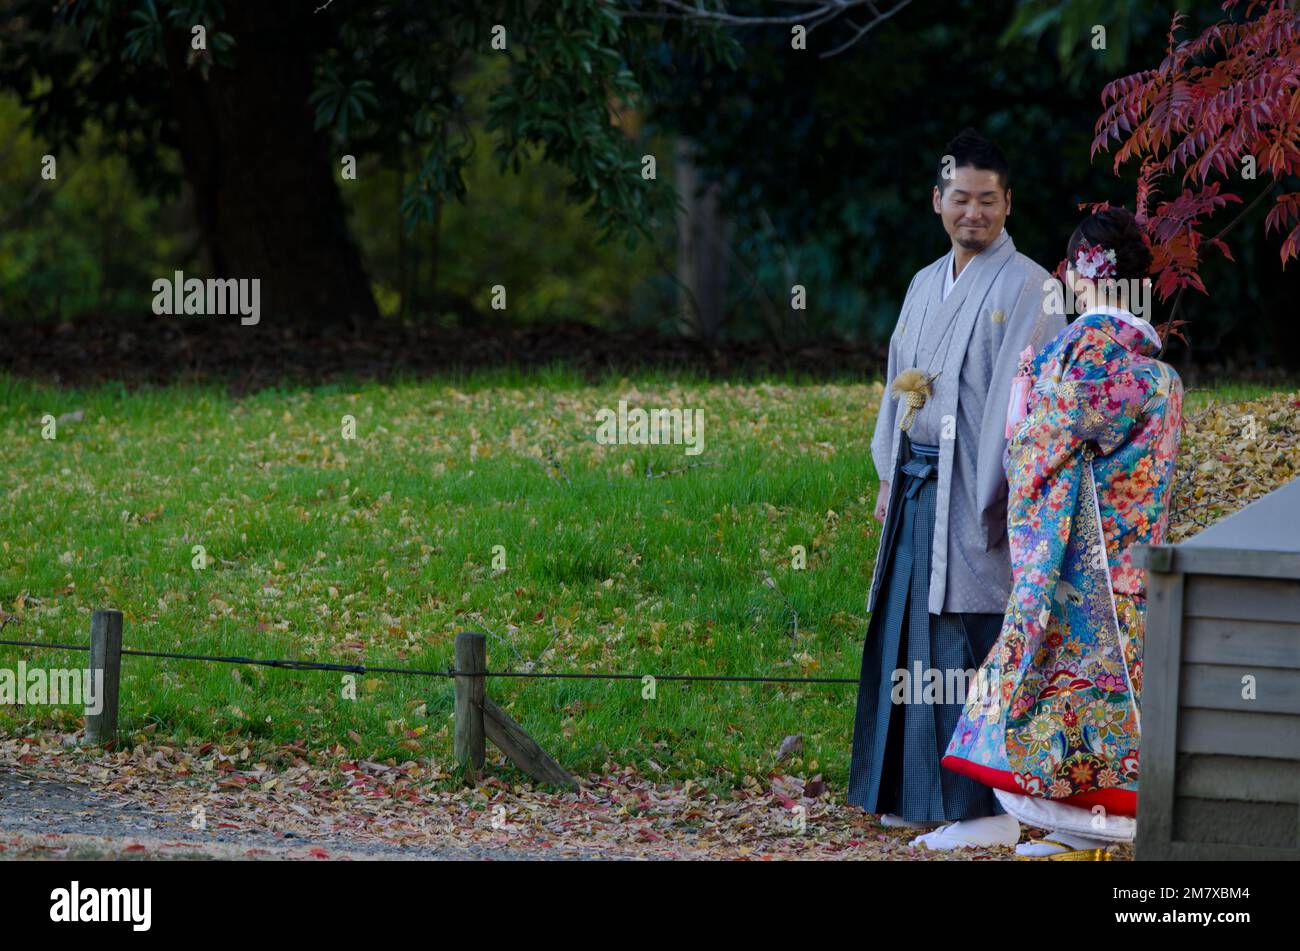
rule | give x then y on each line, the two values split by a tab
1059	817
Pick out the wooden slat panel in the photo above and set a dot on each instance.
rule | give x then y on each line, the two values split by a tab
1249	599
1230	733
1238	777
1237	823
1219	687
1210	561
1162	656
1205	852
1221	641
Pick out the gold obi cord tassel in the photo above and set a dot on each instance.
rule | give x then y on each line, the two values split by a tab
911	388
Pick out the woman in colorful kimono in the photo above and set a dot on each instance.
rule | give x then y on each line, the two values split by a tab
1053	721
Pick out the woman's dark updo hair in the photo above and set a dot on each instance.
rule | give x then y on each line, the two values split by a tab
1116	229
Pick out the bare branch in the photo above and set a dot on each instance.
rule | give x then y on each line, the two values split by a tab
815	14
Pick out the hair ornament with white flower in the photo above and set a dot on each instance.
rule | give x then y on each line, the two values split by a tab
1094	261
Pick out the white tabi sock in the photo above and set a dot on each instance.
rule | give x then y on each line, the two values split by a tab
979	833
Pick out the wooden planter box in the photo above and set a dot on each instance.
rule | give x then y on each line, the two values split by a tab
1220	772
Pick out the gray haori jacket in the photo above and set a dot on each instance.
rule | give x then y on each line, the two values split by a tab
974	338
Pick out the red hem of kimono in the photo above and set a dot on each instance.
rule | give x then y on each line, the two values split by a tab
1119	802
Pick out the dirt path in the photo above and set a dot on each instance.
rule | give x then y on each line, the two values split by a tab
43	819
158	801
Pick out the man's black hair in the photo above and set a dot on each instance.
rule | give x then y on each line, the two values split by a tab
970	149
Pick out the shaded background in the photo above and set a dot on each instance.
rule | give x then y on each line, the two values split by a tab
774	167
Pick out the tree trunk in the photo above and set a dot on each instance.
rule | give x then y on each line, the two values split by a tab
265	195
703	240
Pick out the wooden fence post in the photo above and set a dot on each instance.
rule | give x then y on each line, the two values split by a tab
471	659
106	656
479	719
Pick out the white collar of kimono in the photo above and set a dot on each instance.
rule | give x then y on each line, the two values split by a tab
948	279
1133	320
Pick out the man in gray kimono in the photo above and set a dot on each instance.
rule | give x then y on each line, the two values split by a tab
943	572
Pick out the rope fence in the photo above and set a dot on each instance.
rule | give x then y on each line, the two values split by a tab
449	672
477	718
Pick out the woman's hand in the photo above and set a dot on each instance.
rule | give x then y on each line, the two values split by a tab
882	503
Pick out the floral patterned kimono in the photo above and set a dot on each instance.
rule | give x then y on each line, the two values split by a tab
1054	711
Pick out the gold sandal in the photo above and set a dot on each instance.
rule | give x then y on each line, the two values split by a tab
1070	855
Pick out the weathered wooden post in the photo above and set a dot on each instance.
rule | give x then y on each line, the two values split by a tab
105	656
471	662
479	719
525	752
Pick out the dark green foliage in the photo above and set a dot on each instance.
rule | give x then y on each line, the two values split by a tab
385	78
825	163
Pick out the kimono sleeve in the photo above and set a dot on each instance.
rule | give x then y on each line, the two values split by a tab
882	440
1031	323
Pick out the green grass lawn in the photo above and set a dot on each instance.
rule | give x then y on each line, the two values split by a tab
379	549
1226	391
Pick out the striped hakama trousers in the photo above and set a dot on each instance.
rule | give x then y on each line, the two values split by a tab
897	746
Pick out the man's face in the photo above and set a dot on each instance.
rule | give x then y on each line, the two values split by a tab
973	207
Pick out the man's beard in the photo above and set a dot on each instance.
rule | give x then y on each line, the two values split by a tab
973	244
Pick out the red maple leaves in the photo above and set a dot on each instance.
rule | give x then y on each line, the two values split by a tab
1224	105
